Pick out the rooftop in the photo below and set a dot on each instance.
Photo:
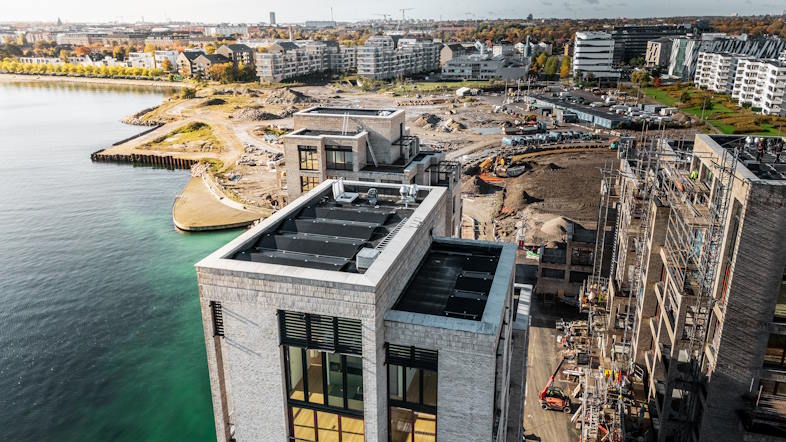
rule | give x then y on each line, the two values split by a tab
454	280
349	111
318	133
771	165
328	233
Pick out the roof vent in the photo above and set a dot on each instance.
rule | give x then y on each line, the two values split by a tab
366	257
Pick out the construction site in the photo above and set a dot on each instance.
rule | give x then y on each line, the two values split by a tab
682	335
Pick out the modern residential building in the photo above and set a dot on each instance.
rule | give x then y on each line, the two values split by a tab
631	41
285	59
716	71
151	60
272	18
450	51
203	62
186	62
685	51
370	145
502	50
41	60
484	67
348	316
700	251
761	84
237	52
380	59
593	55
564	267
658	52
226	30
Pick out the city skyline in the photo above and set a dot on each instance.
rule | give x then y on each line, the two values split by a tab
345	10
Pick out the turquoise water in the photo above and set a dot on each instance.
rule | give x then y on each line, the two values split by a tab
100	331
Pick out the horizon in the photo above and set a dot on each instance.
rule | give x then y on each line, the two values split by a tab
235	11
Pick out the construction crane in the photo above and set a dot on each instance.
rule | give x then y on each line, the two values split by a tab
403	16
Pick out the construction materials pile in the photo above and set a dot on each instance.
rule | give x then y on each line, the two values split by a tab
427	121
287	96
253	114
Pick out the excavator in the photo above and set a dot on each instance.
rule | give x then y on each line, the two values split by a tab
551	397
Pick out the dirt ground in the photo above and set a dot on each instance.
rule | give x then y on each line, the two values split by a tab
557	185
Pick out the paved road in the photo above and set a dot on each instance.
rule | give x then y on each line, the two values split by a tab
545	425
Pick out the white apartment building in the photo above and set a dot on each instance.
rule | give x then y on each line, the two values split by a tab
760	84
146	59
716	71
593	54
41	60
380	59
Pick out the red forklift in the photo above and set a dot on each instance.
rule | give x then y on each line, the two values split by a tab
551	397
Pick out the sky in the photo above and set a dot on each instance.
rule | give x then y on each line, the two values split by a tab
293	11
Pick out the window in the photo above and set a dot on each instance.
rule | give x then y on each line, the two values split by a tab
338	157
308	182
412	393
775	354
553	273
308	157
306	425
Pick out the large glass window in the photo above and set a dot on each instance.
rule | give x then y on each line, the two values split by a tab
308	157
308	182
775	355
338	157
335	381
295	366
314	369
324	426
354	369
412	394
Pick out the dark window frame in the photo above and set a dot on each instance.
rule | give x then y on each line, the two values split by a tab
308	158
308	182
332	155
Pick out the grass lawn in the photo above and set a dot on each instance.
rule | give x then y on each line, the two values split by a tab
193	137
431	87
724	114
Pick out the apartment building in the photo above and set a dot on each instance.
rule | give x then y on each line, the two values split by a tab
716	71
285	60
370	145
349	316
381	59
186	62
593	54
151	60
237	52
761	84
658	52
700	260
203	62
483	67
563	267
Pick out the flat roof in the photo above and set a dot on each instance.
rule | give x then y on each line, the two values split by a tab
327	234
746	147
454	279
595	112
351	111
319	133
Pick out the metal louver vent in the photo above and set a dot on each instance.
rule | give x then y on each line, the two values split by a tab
411	356
320	332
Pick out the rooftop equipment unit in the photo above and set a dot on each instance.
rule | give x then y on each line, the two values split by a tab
365	258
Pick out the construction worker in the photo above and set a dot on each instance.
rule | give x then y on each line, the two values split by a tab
760	150
694	175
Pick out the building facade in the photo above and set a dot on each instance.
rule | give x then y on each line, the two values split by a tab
716	72
760	84
238	53
370	145
367	336
658	52
381	59
702	255
593	54
483	67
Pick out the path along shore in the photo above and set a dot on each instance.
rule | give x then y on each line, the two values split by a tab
16	78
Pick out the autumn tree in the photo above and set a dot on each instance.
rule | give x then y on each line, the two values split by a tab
223	72
564	69
551	65
166	65
640	77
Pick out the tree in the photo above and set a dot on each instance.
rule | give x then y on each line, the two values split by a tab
81	51
210	48
551	65
640	77
223	72
564	69
166	65
540	61
684	97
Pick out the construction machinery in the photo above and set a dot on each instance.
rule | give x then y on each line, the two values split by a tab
551	397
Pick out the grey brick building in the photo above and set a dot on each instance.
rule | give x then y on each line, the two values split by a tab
709	310
349	316
371	145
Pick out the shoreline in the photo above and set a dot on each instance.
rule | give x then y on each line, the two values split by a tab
16	78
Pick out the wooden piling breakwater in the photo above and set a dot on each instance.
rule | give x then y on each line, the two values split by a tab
163	161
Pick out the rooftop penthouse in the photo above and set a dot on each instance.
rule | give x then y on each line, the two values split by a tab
370	145
349	315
